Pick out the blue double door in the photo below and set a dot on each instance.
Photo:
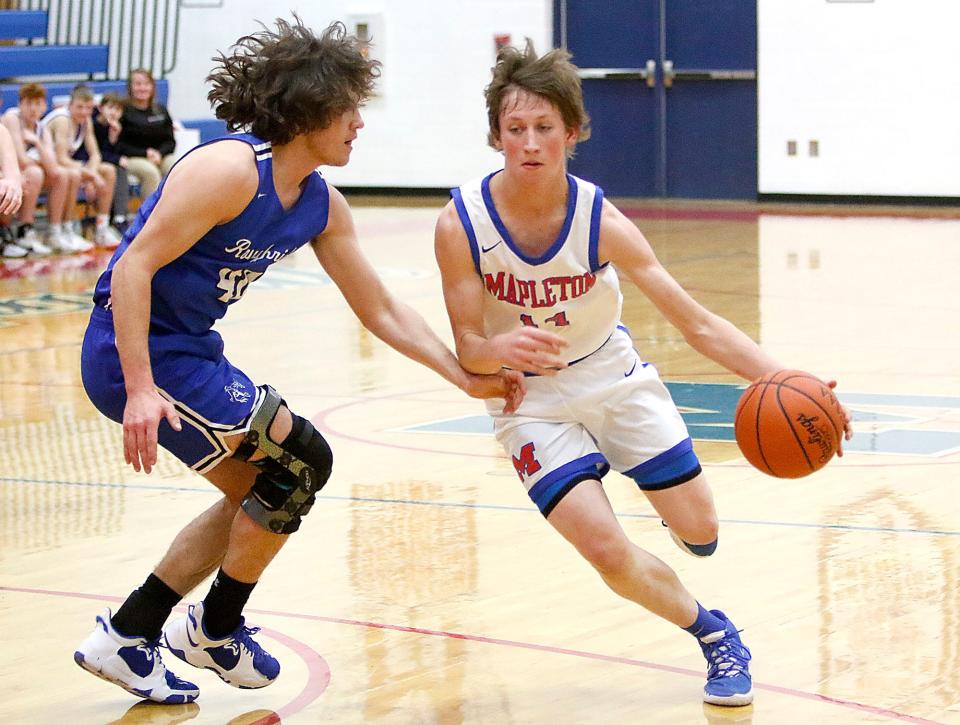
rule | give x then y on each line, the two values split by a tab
670	86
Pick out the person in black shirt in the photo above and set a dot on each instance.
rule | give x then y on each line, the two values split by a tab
107	128
146	135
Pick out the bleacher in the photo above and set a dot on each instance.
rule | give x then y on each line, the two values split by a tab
28	56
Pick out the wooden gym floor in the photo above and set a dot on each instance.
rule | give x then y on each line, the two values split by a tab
425	587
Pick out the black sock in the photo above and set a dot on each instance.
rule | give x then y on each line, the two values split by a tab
146	609
224	604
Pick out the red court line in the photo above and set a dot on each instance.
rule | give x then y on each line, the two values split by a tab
790	692
318	671
751	215
690	214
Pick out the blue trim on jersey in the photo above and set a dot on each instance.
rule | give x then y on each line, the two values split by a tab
594	244
467	227
672	467
549	490
502	229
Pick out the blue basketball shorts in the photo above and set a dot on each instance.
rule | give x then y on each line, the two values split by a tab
213	398
609	410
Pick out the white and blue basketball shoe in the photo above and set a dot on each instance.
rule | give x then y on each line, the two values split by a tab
133	663
728	666
237	658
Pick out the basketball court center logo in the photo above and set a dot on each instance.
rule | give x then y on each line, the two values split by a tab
884	424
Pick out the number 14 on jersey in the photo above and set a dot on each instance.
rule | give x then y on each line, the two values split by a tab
559	319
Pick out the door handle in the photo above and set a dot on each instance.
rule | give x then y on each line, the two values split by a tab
647	74
668	74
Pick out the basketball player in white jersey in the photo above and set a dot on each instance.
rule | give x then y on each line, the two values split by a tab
71	130
527	256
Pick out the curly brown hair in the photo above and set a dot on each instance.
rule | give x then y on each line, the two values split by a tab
285	83
551	75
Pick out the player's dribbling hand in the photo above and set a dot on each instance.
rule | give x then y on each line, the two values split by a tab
530	350
141	418
847	421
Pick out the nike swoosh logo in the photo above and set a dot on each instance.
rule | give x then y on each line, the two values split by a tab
190	618
487	249
190	639
628	374
260	195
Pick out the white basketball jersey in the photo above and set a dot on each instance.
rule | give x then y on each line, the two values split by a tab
565	290
79	131
31	151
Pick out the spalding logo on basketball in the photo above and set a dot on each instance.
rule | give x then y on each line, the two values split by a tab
788	424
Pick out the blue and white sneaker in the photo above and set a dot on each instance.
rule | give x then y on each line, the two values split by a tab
728	670
133	663
237	658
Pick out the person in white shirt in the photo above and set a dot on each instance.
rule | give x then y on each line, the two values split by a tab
72	130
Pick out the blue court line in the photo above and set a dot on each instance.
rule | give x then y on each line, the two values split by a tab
495	507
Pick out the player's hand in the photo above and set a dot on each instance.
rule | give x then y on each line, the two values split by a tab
141	419
154	156
11	194
530	350
847	421
506	384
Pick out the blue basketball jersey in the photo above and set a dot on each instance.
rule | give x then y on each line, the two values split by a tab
192	292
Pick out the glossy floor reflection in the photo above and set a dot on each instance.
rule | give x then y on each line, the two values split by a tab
424	586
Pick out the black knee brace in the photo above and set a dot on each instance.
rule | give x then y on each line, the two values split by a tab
291	473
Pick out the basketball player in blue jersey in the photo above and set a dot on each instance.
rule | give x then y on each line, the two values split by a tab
527	256
226	212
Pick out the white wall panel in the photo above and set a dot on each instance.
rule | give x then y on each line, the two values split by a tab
875	83
427	128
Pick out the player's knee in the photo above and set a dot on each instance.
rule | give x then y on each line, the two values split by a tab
33	177
706	528
699	536
607	553
291	472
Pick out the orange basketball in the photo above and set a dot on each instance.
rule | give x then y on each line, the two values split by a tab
788	424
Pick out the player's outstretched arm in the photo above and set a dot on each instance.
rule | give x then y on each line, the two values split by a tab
707	333
527	349
394	322
210	186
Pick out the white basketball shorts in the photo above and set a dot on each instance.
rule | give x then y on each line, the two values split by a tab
608	410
